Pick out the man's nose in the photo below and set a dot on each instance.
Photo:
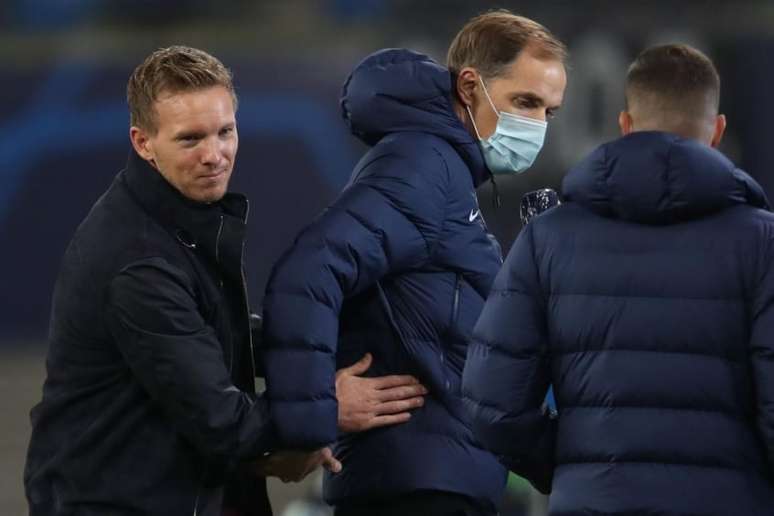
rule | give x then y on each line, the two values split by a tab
540	114
212	154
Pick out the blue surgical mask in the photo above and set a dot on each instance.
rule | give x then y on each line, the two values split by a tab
515	144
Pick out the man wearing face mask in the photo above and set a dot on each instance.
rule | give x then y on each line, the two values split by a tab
400	264
647	301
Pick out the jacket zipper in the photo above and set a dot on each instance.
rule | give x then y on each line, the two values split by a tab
217	260
247	310
217	241
198	493
246	300
220	284
456	301
249	333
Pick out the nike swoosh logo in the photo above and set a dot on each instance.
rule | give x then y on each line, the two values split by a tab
474	214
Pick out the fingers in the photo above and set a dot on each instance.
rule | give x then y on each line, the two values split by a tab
400	393
396	407
387	382
330	462
359	367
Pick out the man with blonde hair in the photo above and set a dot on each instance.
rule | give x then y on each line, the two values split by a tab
149	405
400	264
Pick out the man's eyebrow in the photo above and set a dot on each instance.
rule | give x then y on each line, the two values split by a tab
537	99
528	95
187	134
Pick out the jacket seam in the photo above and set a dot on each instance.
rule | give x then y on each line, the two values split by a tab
543	297
394	207
316	301
502	346
668	194
508	292
305	347
617	296
735	415
492	406
301	399
649	462
442	229
663	351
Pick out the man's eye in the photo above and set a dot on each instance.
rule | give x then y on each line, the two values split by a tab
526	104
227	131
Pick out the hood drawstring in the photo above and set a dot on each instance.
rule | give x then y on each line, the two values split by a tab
496	201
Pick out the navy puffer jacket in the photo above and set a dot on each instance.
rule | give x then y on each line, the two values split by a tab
399	266
647	301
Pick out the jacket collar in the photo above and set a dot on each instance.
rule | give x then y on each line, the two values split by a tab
195	225
656	177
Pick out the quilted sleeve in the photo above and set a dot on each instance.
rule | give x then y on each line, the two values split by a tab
507	374
762	350
387	221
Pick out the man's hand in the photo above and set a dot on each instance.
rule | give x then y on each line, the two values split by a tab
294	466
366	403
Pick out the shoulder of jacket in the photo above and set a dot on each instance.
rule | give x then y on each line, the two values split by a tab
130	235
424	143
409	154
156	265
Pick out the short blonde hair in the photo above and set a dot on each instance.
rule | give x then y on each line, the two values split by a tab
492	41
173	69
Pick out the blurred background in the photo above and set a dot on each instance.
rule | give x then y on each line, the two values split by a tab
64	125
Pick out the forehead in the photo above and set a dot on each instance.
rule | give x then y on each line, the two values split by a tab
210	106
544	77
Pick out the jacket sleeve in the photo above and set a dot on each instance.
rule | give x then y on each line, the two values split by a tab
507	374
386	221
762	352
152	313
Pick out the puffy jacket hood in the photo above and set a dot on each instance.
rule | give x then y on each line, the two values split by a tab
659	178
396	90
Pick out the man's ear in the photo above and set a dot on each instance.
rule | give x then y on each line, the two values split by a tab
141	142
720	129
467	81
625	122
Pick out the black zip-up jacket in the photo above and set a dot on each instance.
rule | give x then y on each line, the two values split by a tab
149	404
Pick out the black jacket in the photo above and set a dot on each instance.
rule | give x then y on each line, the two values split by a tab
149	403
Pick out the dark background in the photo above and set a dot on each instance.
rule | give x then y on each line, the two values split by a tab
64	124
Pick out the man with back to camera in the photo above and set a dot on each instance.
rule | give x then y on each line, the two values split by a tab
149	405
400	264
647	301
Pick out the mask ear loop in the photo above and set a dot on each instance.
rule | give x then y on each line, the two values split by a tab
488	97
496	201
470	114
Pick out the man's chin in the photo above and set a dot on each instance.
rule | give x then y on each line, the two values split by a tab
207	196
